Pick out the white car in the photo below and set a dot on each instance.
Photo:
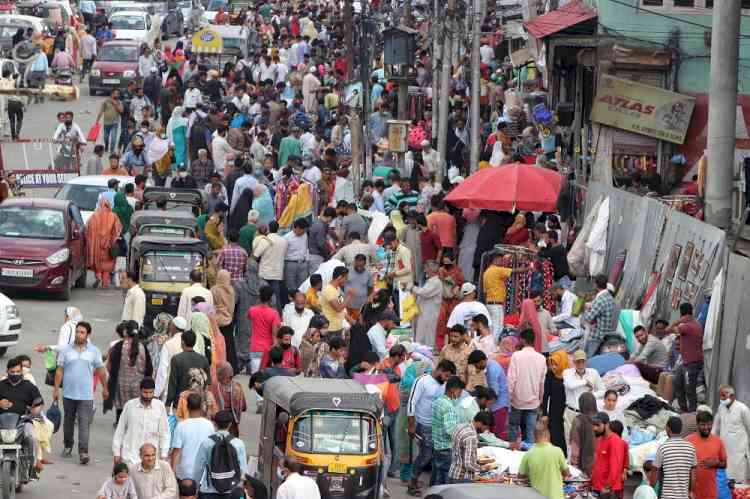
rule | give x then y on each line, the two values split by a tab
135	25
212	9
84	191
10	324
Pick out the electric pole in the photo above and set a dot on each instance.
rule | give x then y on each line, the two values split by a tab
722	114
445	82
437	34
476	27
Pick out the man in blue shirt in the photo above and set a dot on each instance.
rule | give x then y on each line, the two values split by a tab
76	365
426	389
497	381
39	69
223	420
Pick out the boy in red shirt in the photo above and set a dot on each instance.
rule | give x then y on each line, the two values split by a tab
265	321
292	359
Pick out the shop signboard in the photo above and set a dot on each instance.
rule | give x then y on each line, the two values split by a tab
642	109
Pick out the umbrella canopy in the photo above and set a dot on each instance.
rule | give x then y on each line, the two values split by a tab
509	187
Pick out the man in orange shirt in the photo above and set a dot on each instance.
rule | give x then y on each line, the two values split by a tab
443	224
711	455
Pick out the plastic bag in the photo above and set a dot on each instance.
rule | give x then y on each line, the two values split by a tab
50	360
409	308
498	155
94	132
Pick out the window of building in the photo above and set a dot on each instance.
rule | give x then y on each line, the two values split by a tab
709	4
684	3
653	3
745	4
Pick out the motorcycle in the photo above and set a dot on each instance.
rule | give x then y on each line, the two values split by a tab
64	77
17	459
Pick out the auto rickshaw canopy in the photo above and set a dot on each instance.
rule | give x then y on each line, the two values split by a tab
140	245
174	218
296	395
194	198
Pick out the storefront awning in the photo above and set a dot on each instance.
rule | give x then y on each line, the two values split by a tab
554	21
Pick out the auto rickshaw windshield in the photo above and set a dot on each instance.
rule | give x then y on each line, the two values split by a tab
170	266
335	432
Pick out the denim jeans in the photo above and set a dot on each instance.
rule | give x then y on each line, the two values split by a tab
592	347
528	416
441	466
110	138
390	435
83	412
425	450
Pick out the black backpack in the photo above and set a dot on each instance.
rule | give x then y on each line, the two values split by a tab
224	468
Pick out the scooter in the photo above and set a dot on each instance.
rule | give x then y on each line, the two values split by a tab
64	77
17	459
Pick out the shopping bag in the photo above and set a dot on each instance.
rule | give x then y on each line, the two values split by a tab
94	132
409	308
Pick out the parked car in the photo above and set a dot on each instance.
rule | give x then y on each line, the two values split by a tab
135	25
10	23
42	246
171	21
116	65
84	191
10	324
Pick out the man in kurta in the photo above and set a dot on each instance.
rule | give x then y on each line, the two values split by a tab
310	86
732	424
429	299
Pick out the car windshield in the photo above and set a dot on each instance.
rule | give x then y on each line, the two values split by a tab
83	196
214	5
335	432
188	4
118	53
232	43
30	222
128	22
170	266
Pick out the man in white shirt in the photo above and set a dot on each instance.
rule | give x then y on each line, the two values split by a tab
296	258
468	308
295	486
267	70
185	308
567	301
282	70
241	100
193	96
269	249
220	149
578	380
297	317
143	420
171	347
486	53
188	436
135	299
378	333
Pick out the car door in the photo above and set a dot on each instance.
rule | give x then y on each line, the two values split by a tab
77	244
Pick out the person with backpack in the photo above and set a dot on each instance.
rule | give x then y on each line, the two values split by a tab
221	461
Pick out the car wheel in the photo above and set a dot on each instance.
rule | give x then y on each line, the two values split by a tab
92	92
65	293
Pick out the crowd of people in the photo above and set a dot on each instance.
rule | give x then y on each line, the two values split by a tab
300	284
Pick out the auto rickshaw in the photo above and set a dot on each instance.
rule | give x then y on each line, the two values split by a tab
164	223
163	265
483	490
177	199
331	426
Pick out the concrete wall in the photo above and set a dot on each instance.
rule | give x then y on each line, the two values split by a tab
694	72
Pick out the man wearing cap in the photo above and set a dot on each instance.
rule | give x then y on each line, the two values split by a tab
468	308
310	87
578	380
171	347
201	470
379	332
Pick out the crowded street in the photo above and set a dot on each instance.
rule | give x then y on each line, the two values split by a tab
264	249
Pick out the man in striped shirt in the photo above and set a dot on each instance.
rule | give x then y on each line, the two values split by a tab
464	465
445	419
676	461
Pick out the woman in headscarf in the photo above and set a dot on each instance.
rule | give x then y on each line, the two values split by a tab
238	217
217	344
517	233
18	37
160	335
198	382
102	231
359	347
582	443
263	202
71	317
201	326
224	302
128	364
177	134
123	210
374	309
553	403
229	395
529	318
505	351
452	278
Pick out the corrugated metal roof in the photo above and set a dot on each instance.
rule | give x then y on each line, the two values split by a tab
557	20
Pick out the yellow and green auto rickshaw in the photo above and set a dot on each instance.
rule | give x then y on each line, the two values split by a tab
193	200
164	265
332	428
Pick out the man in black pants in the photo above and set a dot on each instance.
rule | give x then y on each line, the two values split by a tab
16	107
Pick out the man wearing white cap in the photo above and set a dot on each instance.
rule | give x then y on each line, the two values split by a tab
468	308
171	347
310	86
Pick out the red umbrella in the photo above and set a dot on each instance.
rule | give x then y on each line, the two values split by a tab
508	187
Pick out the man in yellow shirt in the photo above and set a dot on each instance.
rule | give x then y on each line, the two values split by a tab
494	284
311	295
333	304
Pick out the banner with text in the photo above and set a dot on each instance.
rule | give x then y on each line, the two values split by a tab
642	109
